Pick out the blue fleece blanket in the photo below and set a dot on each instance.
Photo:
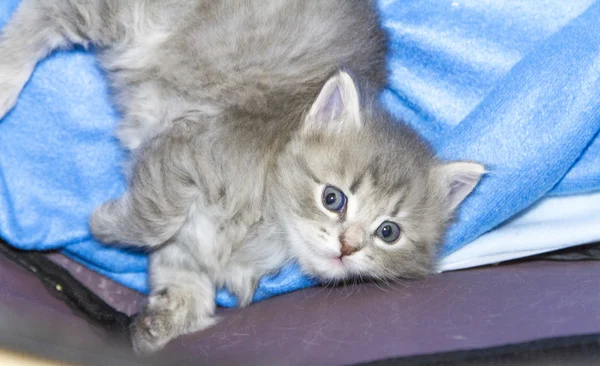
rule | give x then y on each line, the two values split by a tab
510	83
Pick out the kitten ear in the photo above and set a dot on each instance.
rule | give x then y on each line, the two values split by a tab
458	180
337	107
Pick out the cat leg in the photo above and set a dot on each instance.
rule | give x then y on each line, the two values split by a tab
182	301
40	26
241	281
263	252
164	184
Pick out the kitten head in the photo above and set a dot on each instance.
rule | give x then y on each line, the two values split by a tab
360	195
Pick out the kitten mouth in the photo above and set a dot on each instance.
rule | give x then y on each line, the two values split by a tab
338	260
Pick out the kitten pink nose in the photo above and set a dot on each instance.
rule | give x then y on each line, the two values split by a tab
346	249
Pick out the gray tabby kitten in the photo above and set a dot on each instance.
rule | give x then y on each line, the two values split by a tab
250	147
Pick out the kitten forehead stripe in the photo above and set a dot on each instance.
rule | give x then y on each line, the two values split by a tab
357	182
398	206
304	166
374	171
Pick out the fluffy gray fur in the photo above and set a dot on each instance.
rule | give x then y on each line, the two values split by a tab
237	117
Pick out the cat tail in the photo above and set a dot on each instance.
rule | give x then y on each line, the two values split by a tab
120	222
40	26
163	190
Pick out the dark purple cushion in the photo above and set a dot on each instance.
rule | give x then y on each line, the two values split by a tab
454	311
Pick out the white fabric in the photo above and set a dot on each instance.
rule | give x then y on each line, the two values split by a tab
554	223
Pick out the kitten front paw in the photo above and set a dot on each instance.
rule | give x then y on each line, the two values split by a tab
242	282
151	331
169	314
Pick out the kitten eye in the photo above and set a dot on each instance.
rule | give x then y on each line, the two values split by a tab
388	231
334	199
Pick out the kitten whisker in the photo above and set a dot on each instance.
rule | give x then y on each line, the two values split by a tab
376	285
